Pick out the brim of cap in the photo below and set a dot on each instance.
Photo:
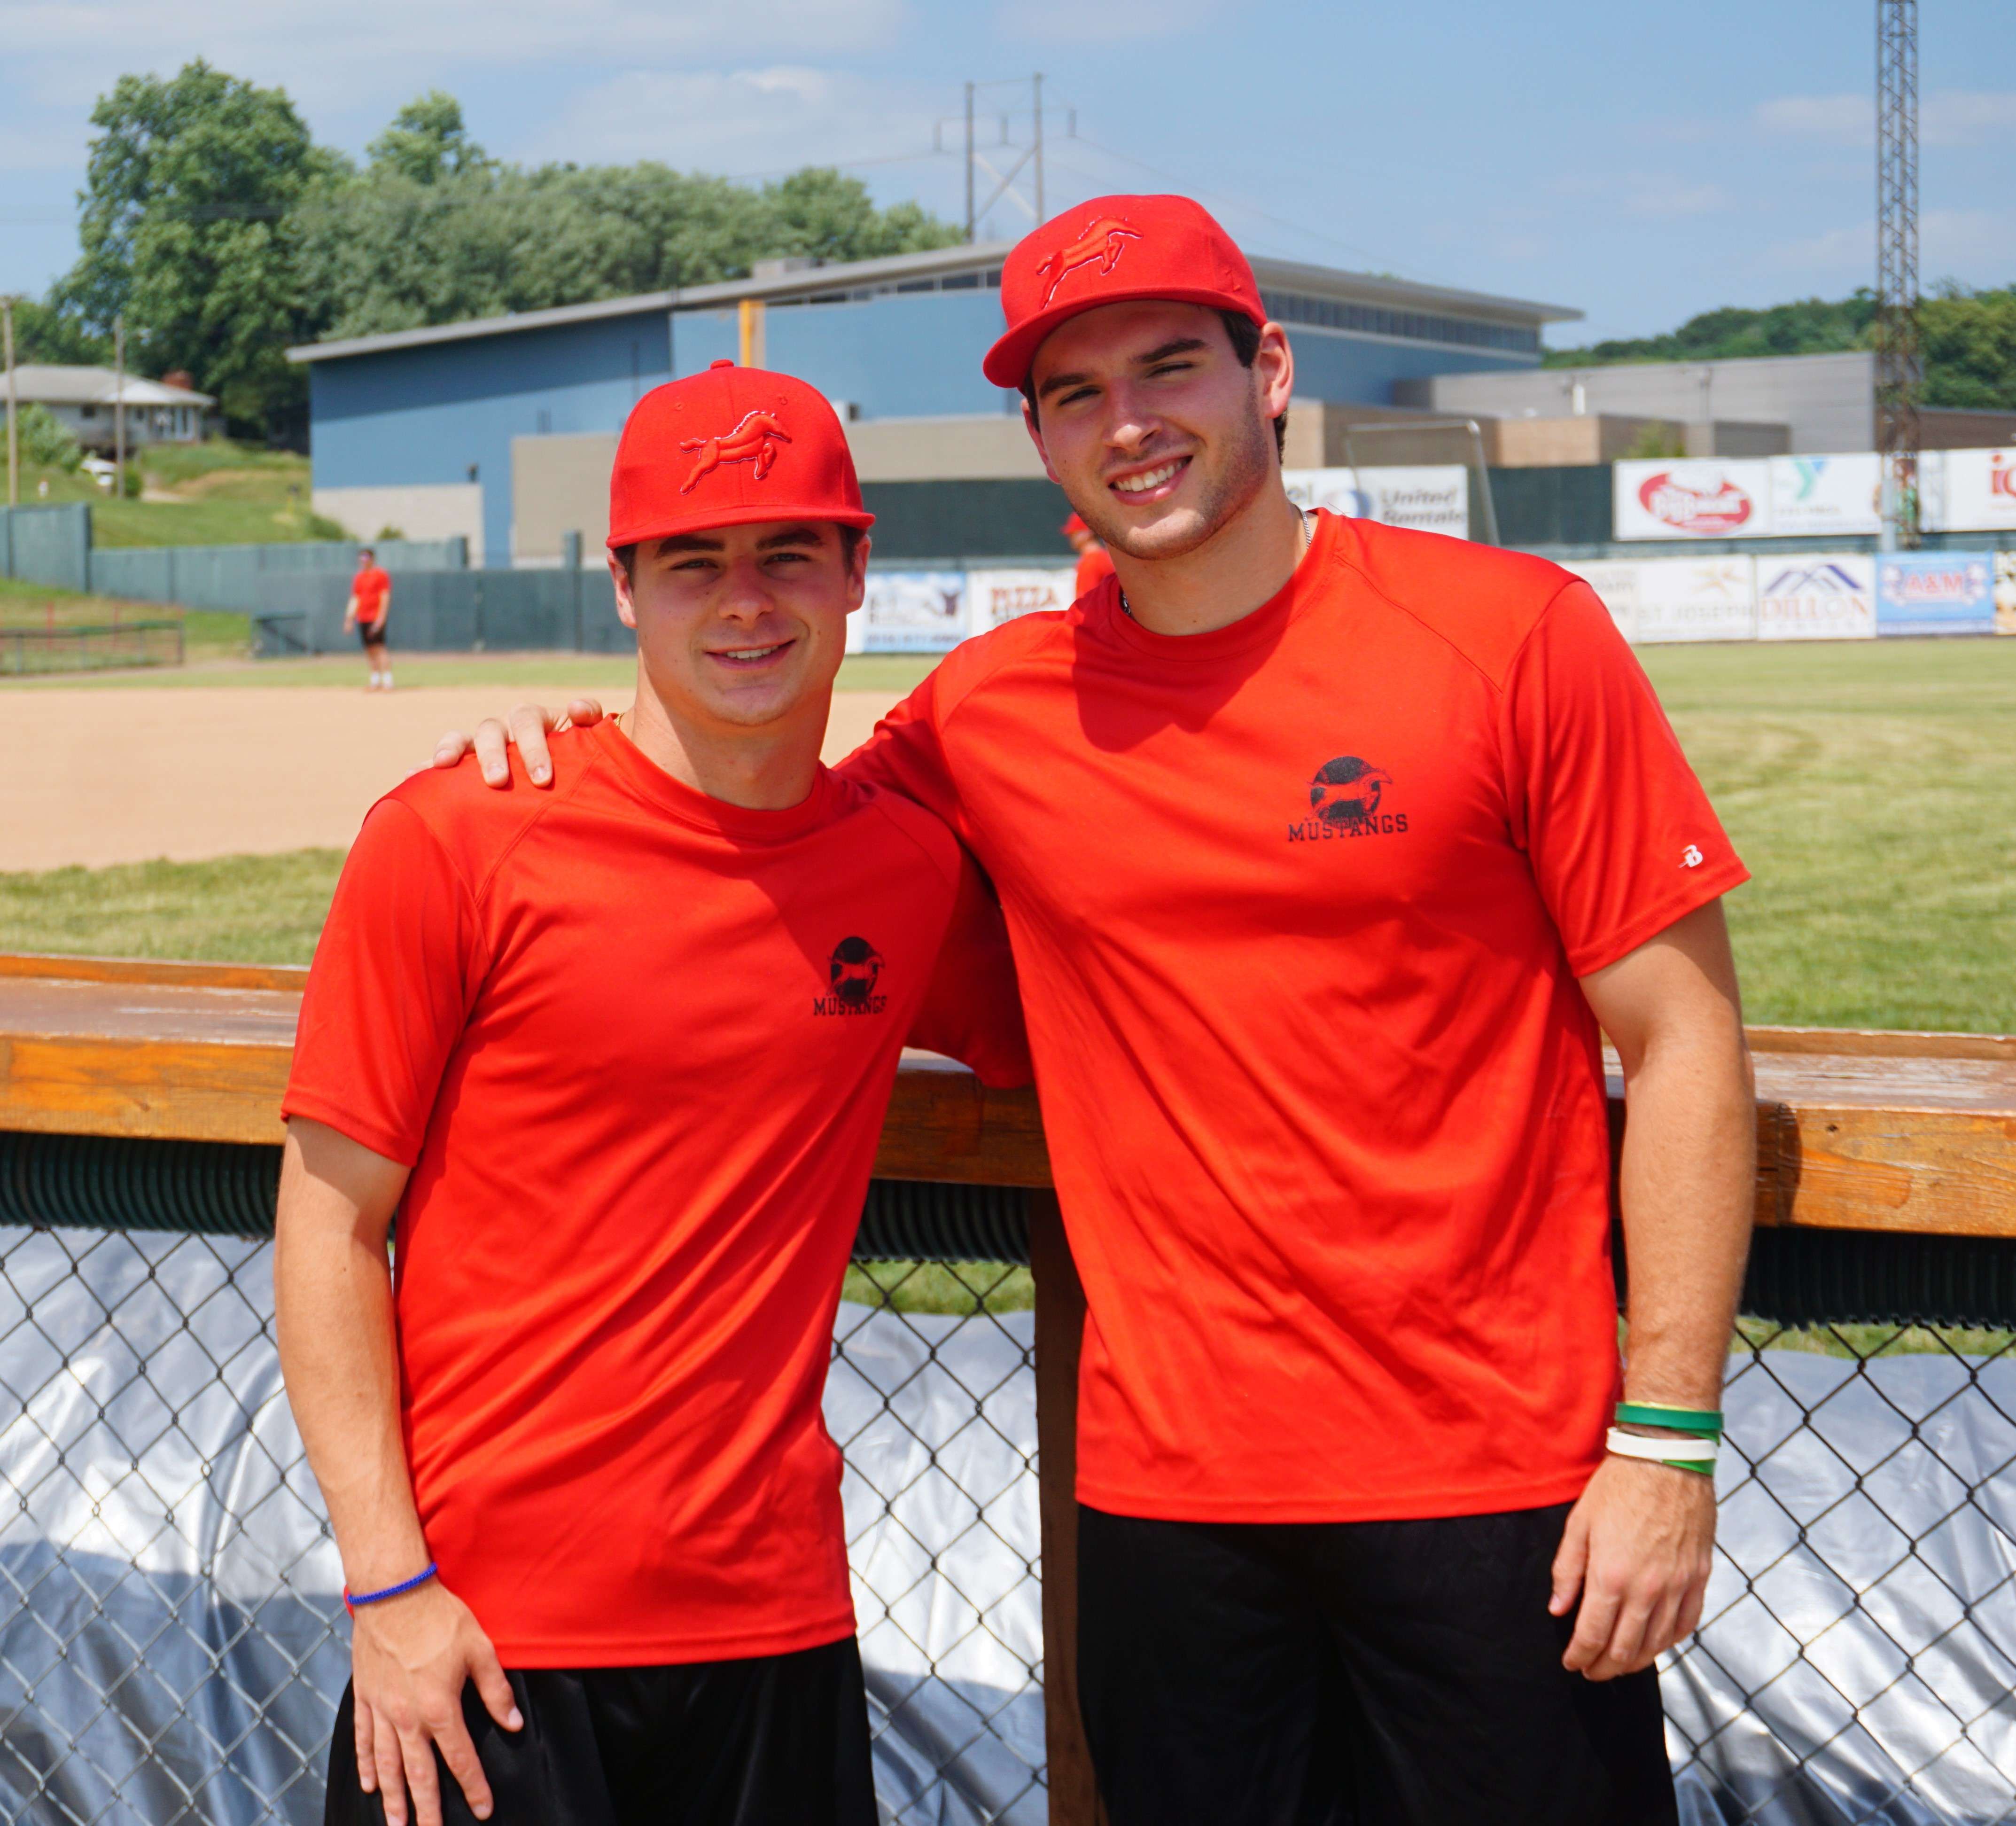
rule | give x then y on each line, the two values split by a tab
1007	363
666	528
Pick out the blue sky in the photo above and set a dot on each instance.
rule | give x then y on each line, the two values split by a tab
1641	163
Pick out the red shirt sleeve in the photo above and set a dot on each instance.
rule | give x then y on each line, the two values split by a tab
1621	838
395	974
905	756
972	1010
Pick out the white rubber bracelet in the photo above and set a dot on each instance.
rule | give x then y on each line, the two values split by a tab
1691	1453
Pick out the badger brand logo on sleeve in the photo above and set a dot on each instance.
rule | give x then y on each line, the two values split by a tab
1101	241
1693	508
753	439
852	972
1349	798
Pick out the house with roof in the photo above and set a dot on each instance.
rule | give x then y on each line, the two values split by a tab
84	401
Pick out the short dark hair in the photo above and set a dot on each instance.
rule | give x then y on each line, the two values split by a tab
1244	335
365	552
849	543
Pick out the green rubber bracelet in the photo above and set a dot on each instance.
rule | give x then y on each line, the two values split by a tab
1705	1421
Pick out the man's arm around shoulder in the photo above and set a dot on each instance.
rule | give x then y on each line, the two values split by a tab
411	1656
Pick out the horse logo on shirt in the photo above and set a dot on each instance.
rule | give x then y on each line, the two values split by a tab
852	972
1345	797
754	439
1102	242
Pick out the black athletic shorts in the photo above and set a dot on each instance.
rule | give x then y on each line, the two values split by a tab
781	1740
371	633
1378	1673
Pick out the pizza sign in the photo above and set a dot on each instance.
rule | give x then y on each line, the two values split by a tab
1695	507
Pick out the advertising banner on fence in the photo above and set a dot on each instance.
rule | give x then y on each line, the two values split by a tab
1615	580
1817	597
1429	497
995	596
1979	494
910	611
1672	498
1696	598
2005	592
1936	593
1821	495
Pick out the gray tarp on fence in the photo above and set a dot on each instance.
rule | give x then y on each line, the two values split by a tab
171	1642
441	612
242	578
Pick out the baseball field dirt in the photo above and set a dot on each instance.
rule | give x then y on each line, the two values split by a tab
95	776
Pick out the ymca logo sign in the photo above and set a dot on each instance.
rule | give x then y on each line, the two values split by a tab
755	440
1101	243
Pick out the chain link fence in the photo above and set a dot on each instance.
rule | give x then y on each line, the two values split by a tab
172	1641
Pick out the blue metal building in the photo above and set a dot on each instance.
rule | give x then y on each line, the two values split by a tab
416	429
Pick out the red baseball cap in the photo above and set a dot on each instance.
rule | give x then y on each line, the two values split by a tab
1073	526
727	448
1108	251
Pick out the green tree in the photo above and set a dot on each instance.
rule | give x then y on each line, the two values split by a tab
43	333
186	229
427	142
1968	339
45	444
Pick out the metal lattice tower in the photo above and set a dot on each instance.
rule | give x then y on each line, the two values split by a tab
1900	367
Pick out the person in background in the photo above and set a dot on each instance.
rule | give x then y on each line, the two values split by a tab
1094	561
368	610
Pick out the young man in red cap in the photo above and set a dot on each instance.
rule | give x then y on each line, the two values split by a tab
1326	848
618	1057
1094	561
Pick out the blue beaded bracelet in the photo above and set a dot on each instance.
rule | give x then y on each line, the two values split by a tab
412	1584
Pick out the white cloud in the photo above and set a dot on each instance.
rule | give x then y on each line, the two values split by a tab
1977	246
738	121
326	55
1103	22
1948	116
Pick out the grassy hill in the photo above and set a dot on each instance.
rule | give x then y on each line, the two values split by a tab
215	493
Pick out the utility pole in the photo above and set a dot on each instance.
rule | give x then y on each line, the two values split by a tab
1035	204
969	163
119	407
13	431
1899	365
1036	92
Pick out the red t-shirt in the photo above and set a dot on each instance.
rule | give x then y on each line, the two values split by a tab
371	586
1093	567
1298	907
636	1045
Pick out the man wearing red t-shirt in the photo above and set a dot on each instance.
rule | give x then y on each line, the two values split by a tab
1326	850
369	606
617	1056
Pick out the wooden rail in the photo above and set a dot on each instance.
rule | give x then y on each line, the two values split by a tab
1899	1132
1911	1132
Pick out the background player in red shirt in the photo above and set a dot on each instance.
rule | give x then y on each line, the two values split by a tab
1325	847
574	1454
1094	561
368	610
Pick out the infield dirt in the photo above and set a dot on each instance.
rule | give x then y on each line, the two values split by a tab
95	776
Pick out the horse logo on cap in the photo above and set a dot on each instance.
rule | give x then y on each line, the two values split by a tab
1103	241
755	440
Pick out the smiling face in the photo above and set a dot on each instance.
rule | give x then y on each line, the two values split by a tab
1157	435
743	627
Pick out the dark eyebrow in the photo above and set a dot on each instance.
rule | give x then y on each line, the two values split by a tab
688	541
791	535
1182	345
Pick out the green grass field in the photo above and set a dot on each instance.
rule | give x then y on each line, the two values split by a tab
1871	787
216	493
